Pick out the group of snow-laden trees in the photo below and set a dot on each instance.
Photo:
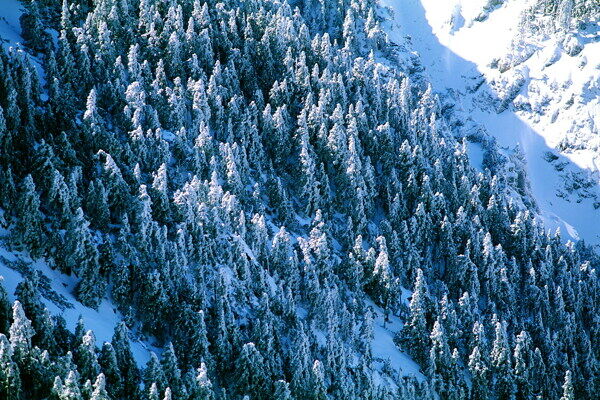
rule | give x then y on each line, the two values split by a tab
565	12
249	183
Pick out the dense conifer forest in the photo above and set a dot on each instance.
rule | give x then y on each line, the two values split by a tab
251	183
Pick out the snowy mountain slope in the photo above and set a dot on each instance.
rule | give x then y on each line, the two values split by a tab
385	350
553	104
10	28
271	269
60	299
10	33
106	318
391	362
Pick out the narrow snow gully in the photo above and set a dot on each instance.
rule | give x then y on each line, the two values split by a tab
456	61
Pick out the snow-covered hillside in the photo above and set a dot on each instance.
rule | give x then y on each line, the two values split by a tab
298	200
10	28
536	91
15	265
57	292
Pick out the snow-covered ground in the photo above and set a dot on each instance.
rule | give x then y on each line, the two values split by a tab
535	104
389	359
10	28
102	322
551	96
10	34
385	350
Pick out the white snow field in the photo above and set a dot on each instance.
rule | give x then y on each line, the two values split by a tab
550	99
385	350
